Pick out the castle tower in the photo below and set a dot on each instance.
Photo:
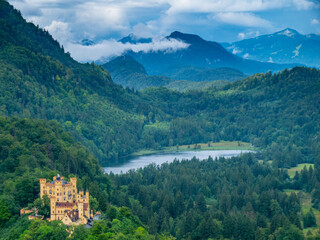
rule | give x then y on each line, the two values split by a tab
58	189
73	182
53	208
43	182
86	200
80	209
87	196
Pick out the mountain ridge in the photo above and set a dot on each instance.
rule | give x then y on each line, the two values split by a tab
200	53
285	46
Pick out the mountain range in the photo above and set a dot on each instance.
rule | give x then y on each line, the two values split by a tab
286	46
199	54
126	71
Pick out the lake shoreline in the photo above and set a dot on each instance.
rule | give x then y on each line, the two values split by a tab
222	145
159	158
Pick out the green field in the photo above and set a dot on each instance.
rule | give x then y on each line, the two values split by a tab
292	171
222	145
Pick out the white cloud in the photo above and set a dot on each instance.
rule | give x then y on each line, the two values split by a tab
314	21
241	35
236	50
211	6
59	31
249	34
73	20
242	19
144	30
303	4
110	48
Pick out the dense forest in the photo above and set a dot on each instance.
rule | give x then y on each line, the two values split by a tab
60	116
239	198
38	80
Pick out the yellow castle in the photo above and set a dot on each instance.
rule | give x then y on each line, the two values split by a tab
66	203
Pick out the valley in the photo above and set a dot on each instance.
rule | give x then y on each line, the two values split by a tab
59	116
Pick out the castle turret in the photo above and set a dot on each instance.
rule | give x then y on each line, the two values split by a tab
87	197
73	182
80	209
53	208
43	182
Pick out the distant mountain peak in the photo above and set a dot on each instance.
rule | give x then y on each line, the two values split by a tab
189	38
288	32
134	39
285	46
86	42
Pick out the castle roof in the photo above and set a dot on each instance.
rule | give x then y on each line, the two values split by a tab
73	215
59	179
70	205
65	204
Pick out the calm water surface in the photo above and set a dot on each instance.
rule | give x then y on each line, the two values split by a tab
159	158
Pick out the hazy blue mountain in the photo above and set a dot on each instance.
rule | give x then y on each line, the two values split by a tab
200	74
128	72
286	46
131	38
200	53
87	42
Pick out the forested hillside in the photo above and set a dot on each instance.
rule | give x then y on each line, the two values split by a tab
33	149
57	115
279	111
239	198
39	80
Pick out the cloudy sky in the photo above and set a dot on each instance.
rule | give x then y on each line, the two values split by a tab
105	21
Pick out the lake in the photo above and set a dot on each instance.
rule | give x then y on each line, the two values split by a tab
159	158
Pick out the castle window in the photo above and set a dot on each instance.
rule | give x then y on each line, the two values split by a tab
57	194
73	190
58	199
50	192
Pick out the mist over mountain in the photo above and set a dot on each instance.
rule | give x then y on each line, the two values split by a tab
286	46
132	38
200	53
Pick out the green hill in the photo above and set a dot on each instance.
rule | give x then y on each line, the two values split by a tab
278	111
39	80
185	85
129	73
275	110
198	74
31	149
